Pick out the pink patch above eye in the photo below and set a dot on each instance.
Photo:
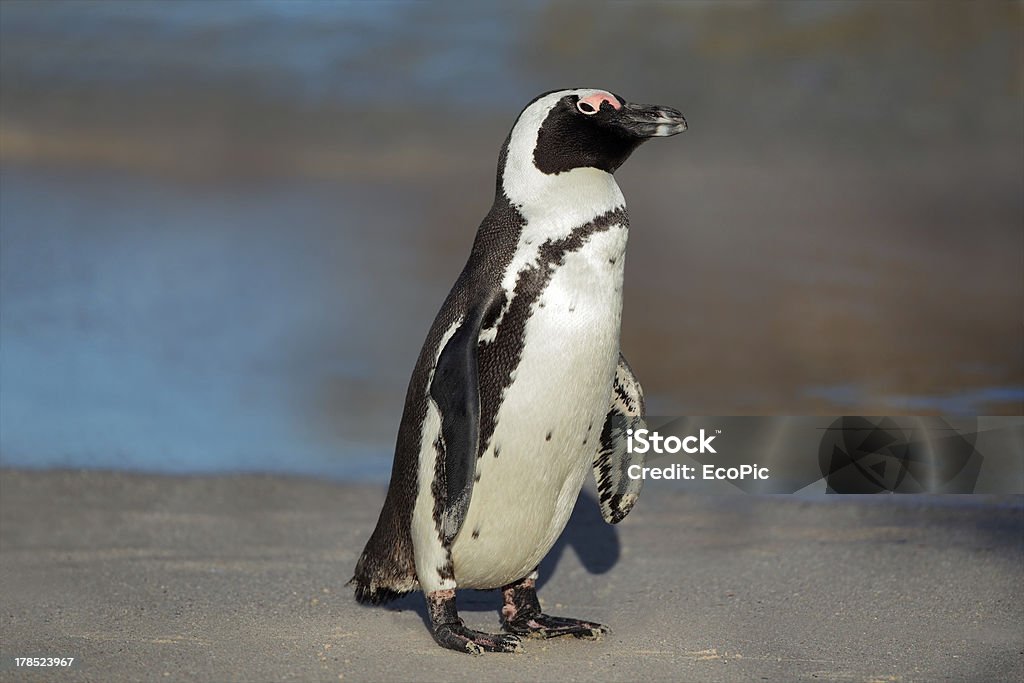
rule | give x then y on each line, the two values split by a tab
599	98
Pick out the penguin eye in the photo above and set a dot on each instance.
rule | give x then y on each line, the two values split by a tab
586	108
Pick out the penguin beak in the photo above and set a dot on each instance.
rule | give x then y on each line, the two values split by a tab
649	121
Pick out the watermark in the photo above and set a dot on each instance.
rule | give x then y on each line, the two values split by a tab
707	472
41	662
644	440
839	455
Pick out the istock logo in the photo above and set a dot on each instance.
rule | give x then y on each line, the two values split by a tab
653	442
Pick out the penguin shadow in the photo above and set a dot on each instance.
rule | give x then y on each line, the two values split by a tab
596	544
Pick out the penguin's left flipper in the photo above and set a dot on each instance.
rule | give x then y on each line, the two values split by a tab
617	491
455	389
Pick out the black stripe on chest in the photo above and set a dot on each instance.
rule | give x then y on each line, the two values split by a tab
498	359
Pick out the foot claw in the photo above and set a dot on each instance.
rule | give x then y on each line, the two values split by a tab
458	637
546	626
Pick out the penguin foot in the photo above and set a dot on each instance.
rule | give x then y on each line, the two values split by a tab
521	615
450	632
461	639
546	626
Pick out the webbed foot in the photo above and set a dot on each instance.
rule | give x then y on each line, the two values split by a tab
450	632
522	616
458	637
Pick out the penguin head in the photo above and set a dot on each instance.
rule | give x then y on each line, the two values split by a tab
566	144
589	128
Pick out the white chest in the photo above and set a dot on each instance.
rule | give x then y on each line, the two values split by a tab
550	418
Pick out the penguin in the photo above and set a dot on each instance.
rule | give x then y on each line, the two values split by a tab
520	387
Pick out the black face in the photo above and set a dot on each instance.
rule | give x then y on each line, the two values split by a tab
597	132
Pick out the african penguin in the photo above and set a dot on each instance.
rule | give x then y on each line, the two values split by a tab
520	387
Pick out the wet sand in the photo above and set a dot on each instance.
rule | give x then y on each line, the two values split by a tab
242	578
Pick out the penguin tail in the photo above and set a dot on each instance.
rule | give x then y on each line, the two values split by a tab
376	584
368	594
386	568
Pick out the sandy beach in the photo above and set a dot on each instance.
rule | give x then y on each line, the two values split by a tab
241	578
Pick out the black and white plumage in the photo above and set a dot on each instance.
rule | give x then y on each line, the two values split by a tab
520	387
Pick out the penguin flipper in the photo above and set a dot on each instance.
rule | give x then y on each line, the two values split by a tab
455	388
616	490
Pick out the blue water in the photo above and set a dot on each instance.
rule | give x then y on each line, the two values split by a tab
160	324
178	330
310	52
970	402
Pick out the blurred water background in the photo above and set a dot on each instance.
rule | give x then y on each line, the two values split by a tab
225	227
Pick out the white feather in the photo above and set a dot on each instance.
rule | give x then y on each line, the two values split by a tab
561	386
552	204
